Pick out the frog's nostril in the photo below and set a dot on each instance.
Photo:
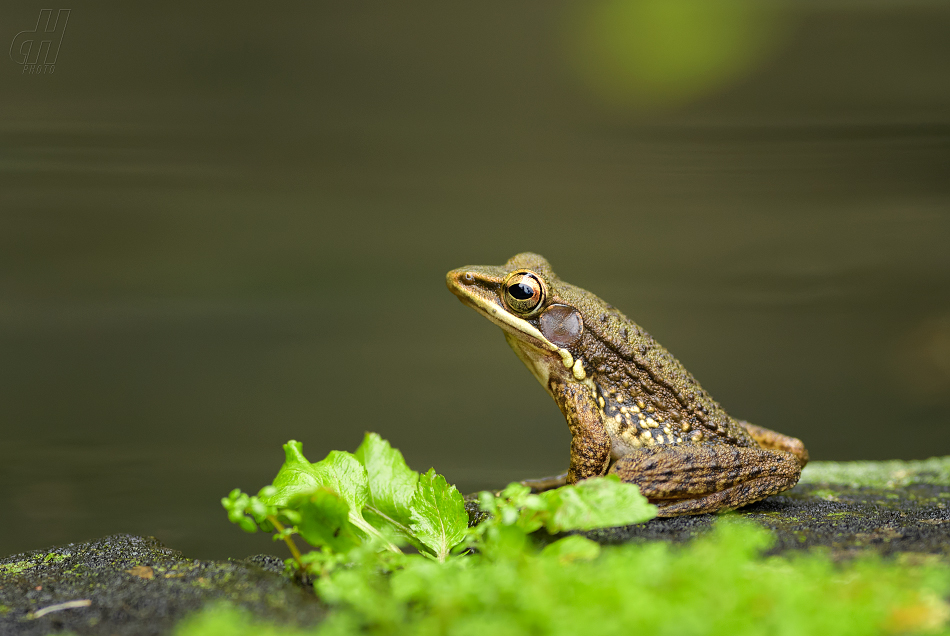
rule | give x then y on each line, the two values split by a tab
468	278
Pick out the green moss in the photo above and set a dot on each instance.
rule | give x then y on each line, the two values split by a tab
4	609
890	474
16	567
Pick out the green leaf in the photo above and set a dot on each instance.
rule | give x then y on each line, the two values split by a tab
600	502
392	483
342	473
438	516
296	477
339	471
324	521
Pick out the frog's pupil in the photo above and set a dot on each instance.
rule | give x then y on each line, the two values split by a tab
521	291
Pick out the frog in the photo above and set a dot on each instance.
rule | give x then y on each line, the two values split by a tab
633	410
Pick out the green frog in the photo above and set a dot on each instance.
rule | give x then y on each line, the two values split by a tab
633	410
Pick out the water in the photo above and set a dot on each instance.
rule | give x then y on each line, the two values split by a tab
221	229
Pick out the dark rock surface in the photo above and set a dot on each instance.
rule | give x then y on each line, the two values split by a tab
134	585
848	521
125	584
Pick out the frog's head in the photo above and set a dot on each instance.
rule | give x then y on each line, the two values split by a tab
540	314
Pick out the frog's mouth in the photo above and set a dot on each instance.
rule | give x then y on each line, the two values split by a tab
480	289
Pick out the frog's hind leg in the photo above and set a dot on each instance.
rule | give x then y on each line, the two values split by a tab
771	440
691	480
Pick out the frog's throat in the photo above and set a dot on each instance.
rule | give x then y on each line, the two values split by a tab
541	363
512	326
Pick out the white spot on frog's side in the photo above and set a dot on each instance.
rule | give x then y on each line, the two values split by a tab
623	441
578	370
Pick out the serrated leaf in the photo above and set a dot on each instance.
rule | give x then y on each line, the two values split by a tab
324	520
601	502
438	516
392	483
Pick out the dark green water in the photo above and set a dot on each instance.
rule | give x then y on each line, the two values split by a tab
222	228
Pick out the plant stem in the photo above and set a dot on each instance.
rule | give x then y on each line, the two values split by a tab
290	542
361	523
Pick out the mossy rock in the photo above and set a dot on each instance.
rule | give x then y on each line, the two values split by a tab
125	584
135	585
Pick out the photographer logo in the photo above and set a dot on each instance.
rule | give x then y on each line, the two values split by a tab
37	50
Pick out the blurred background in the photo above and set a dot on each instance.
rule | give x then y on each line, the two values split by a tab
223	227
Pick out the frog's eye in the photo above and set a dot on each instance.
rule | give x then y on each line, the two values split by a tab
523	292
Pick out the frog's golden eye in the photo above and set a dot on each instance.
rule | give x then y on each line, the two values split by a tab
523	293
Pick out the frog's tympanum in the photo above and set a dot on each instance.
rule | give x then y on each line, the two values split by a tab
632	409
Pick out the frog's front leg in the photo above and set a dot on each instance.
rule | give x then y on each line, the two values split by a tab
690	480
590	443
541	484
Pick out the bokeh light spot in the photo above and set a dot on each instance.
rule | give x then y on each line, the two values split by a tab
648	54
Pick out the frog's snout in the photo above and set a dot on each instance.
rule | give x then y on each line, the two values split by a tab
458	279
474	287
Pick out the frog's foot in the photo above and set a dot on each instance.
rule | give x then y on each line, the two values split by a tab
691	480
545	483
771	440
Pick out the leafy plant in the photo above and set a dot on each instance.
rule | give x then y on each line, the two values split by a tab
372	499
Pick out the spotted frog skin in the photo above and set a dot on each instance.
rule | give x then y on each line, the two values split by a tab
632	409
